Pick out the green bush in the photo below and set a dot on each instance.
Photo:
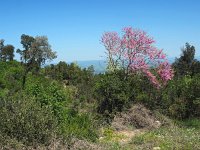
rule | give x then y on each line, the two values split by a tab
180	98
11	76
183	97
60	100
80	126
111	93
24	119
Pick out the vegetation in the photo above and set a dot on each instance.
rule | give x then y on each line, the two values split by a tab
73	108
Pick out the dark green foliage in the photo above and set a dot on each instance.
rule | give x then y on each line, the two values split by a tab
179	99
73	75
195	67
26	42
186	64
116	92
112	93
186	97
190	123
10	76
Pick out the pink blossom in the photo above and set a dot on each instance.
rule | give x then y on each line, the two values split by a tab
165	71
135	51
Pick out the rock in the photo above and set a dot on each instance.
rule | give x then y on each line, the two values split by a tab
156	148
157	124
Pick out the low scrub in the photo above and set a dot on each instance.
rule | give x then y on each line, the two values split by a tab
23	119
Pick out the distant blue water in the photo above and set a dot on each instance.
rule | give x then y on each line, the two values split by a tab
100	65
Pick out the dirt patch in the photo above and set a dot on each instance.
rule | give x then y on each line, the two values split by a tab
56	144
85	145
129	134
137	117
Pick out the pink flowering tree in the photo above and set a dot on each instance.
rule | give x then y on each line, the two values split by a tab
135	53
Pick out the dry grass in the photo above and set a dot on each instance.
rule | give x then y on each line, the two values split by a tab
136	117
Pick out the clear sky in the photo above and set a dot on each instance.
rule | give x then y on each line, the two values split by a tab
74	27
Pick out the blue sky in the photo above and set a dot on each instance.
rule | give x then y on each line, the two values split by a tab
74	27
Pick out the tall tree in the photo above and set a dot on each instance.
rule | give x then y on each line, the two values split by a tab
7	53
36	52
186	64
26	42
41	51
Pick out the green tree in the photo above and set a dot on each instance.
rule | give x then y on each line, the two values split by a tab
7	53
41	51
26	42
112	93
196	67
36	52
186	64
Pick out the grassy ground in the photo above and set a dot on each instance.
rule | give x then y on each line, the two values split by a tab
180	136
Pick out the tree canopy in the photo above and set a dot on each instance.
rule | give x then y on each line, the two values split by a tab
186	64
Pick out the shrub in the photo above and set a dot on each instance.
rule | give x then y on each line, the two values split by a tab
183	97
179	99
23	119
60	100
11	75
111	93
80	126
